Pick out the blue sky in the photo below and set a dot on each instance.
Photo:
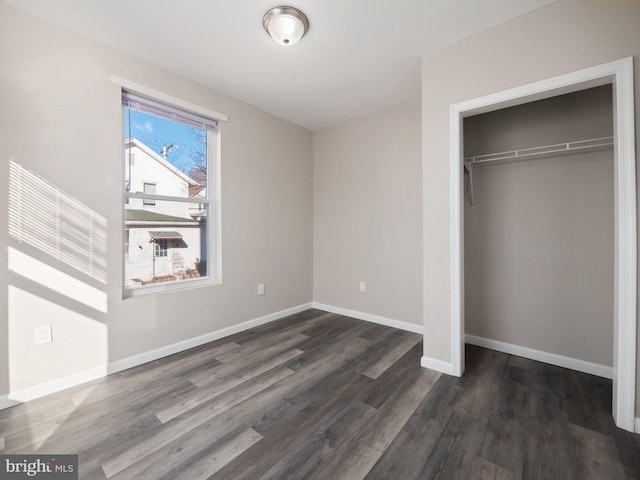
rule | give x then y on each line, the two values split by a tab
156	132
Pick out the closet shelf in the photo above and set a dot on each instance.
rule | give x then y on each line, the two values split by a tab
568	148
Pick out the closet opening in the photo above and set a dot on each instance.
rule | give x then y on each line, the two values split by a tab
531	265
539	233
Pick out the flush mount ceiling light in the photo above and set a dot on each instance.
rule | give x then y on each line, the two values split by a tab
286	25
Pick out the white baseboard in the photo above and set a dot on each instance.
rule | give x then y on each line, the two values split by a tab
56	385
6	403
540	356
437	365
368	317
637	425
42	389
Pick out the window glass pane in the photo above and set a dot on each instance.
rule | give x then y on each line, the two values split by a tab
151	143
161	247
166	240
165	248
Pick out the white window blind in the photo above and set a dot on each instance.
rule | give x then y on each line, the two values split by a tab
141	104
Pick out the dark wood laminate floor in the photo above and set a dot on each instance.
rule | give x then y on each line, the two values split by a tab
322	396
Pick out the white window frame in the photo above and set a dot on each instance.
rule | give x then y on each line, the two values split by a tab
214	220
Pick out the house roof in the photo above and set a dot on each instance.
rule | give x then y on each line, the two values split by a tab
134	215
158	158
196	189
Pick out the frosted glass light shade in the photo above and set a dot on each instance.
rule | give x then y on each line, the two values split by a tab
286	25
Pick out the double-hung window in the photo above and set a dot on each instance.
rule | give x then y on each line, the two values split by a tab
149	188
170	188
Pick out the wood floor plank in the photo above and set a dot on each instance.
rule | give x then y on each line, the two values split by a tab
191	419
312	391
546	449
318	395
318	447
455	450
407	455
91	424
290	325
334	335
547	378
628	445
547	444
333	327
216	459
393	379
392	355
192	456
33	415
504	436
174	453
243	357
346	347
177	406
550	406
121	384
584	406
484	373
271	333
593	455
378	433
374	331
503	442
480	469
513	395
314	418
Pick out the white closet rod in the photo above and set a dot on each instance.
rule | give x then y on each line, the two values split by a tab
589	145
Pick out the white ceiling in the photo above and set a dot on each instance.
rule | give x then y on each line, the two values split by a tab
359	55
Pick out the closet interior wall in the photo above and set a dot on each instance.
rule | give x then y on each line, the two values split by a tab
539	245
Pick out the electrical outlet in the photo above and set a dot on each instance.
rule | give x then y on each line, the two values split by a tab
42	335
363	287
261	289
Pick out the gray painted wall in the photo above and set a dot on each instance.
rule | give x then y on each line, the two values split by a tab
539	244
366	183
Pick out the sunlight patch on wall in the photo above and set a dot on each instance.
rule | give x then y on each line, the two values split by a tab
53	279
48	219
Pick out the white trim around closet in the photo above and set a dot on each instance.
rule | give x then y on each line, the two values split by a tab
620	74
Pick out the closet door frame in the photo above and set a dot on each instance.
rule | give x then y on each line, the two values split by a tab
619	74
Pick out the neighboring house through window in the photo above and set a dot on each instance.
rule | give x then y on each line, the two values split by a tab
168	195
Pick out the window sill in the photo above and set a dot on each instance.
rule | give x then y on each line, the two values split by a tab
170	287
